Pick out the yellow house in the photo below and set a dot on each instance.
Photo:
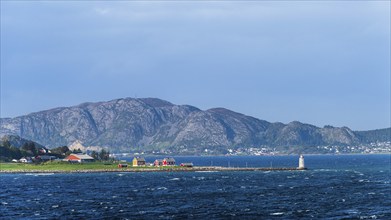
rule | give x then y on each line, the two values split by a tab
138	161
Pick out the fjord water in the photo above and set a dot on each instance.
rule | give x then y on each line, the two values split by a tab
334	187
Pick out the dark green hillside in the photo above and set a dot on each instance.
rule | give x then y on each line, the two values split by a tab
379	135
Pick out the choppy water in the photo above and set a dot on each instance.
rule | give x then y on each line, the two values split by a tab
335	187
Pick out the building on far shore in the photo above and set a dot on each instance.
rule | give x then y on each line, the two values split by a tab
79	158
138	161
158	163
25	160
169	161
186	165
45	157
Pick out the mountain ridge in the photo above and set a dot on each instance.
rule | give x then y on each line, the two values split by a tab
153	124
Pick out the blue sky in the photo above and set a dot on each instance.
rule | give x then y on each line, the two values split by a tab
318	62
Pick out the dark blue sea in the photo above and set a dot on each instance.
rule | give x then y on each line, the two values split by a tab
334	187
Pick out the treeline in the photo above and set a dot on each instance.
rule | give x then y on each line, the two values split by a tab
102	155
29	149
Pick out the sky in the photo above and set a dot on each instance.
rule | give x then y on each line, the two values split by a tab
317	62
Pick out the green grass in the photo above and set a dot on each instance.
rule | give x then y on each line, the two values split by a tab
65	166
56	166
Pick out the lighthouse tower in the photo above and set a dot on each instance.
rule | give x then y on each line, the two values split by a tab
301	163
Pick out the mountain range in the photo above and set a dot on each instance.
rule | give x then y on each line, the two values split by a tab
150	124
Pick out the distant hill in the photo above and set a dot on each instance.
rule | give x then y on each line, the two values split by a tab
379	135
16	141
14	147
155	125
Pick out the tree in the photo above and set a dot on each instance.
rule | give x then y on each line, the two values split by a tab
9	153
61	152
78	151
104	155
29	149
6	144
95	155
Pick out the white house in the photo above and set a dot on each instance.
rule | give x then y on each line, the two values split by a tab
25	160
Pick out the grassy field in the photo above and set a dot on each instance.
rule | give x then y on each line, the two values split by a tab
65	166
56	166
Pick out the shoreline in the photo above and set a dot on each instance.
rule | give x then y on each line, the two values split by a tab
138	170
263	155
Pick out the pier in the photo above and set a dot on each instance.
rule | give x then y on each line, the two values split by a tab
221	169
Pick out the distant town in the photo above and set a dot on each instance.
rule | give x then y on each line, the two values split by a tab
16	149
373	148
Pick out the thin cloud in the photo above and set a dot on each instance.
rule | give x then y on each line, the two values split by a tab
102	11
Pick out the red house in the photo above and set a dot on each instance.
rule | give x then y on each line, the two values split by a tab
165	162
168	161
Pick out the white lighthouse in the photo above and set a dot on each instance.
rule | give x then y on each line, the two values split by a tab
301	163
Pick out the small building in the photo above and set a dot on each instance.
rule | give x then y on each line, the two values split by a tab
165	162
168	161
45	157
43	150
79	158
186	164
25	160
138	161
158	163
122	165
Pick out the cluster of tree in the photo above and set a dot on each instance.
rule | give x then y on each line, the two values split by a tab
29	149
64	151
102	155
9	152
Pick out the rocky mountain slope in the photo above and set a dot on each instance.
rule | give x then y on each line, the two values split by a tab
129	124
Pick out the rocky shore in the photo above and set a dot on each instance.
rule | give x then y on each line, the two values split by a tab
188	169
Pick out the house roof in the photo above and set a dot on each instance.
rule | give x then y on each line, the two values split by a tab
25	158
46	157
82	156
140	159
170	159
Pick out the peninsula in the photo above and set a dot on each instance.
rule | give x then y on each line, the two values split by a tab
152	169
99	167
